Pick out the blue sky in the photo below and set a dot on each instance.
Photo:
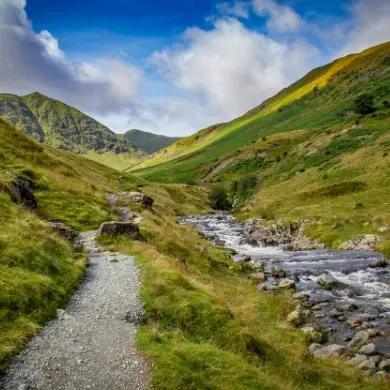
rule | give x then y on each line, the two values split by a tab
172	66
138	27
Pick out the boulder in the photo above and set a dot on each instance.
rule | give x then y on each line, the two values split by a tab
301	296
287	283
368	350
354	321
300	317
21	190
127	229
278	272
64	231
358	340
385	365
333	350
358	359
138	197
367	365
303	243
328	282
365	242
277	233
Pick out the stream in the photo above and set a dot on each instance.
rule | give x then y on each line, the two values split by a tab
364	297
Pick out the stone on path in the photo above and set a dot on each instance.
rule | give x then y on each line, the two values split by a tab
128	229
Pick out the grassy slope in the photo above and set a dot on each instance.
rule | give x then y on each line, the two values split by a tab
149	142
208	327
38	270
306	152
294	108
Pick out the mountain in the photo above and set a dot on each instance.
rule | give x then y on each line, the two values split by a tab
318	150
53	122
149	142
323	99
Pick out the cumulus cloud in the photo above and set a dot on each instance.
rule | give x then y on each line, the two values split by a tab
34	61
281	18
371	25
238	8
231	68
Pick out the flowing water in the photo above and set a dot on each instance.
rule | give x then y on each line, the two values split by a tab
368	288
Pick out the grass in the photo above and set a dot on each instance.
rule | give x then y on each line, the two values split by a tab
38	270
208	327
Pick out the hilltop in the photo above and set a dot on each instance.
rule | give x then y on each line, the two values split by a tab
149	142
53	122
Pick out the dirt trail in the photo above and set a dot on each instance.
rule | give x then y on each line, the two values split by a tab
92	344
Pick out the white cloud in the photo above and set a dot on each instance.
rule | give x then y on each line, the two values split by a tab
371	25
230	69
33	61
281	18
238	8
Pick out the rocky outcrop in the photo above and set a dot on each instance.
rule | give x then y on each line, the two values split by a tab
21	190
365	242
277	233
280	233
64	231
303	243
128	229
138	197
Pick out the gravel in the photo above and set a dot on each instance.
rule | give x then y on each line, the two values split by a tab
91	345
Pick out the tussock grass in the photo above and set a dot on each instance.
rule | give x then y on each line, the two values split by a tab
208	327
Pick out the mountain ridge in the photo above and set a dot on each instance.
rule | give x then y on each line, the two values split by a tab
67	128
149	142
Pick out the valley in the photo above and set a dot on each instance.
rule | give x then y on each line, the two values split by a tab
250	255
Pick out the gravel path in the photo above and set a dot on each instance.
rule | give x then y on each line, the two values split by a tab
91	345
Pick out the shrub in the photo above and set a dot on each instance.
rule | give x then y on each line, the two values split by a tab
246	186
218	198
364	104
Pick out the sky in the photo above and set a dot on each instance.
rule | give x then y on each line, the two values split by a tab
173	67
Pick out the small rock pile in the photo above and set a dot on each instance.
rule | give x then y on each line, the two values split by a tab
279	233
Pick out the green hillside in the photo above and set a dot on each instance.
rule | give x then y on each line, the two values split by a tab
318	149
65	127
148	142
322	100
39	270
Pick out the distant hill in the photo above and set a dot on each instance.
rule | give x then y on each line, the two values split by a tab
149	142
53	122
